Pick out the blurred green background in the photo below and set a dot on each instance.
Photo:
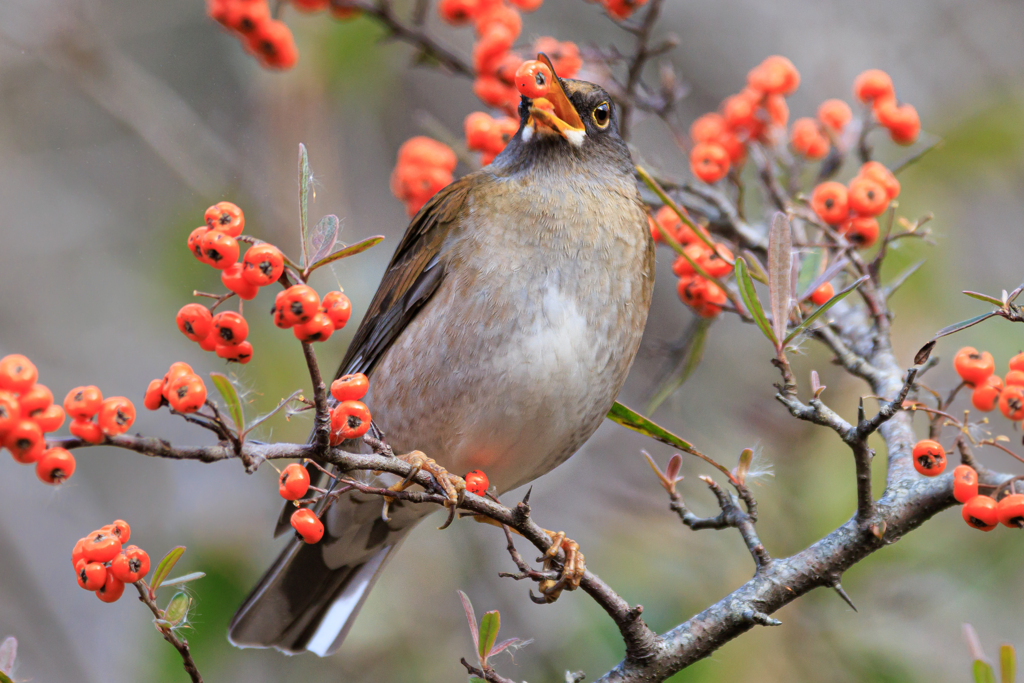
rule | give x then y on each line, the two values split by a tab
120	123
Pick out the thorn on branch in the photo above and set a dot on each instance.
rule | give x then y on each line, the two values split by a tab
838	588
755	617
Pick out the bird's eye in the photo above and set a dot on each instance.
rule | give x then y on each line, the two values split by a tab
602	115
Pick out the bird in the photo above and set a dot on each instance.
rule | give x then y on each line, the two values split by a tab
498	339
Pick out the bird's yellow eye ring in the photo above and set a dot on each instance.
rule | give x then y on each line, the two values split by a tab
602	115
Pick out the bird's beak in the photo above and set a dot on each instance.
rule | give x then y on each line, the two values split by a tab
555	112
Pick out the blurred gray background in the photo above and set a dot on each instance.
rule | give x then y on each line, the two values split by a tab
120	122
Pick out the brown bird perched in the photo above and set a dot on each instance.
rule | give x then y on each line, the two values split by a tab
500	335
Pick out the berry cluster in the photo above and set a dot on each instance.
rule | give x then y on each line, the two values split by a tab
699	293
104	564
181	388
424	167
311	319
874	87
977	370
853	208
350	419
489	135
113	416
292	484
982	511
812	138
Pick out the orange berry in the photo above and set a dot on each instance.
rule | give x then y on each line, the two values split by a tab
122	530
1011	403
866	197
90	575
965	483
277	311
973	367
703	296
225	216
622	9
981	512
862	231
423	151
131	565
527	5
776	75
1013	377
709	162
777	109
34	401
111	590
307	525
740	112
564	55
350	387
349	420
219	248
187	393
101	546
831	202
929	457
1017	362
834	114
458	12
903	121
479	128
195	243
83	402
823	294
274	44
194	321
708	128
25	441
715	263
232	278
493	92
310	5
10	412
49	420
87	430
116	416
881	175
871	85
1011	510
230	328
533	78
77	552
317	329
476	482
807	140
985	396
337	307
177	370
235	353
17	373
246	18
55	466
495	16
262	265
293	482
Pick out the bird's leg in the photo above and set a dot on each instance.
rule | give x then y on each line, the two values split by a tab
572	569
451	485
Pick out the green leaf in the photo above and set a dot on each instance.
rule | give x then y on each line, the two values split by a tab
810	268
809	320
474	679
231	400
984	297
1007	663
983	672
630	419
324	237
177	609
4	678
691	354
753	304
305	178
489	625
351	250
962	325
177	581
165	566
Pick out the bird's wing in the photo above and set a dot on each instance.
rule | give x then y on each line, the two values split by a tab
414	274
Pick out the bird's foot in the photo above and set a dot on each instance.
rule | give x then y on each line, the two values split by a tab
453	487
572	569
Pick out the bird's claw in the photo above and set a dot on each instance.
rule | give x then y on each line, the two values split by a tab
453	487
572	569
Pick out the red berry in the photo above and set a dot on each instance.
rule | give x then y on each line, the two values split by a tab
293	482
116	416
807	139
48	420
1013	378
247	17
87	430
25	441
349	420
564	55
111	590
317	329
91	575
1017	362
1011	510
101	546
476	482
866	197
965	483
1011	403
350	387
120	528
10	412
230	328
225	216
709	161
55	466
17	373
307	525
174	372
876	171
458	12
533	79
871	85
277	311
210	342
981	512
973	367
262	265
775	75
862	231
834	114
985	396
37	399
187	393
822	294
77	553
195	243
154	395
232	278
219	248
131	565
337	307
83	402
236	353
299	304
929	458
831	201
274	43
903	121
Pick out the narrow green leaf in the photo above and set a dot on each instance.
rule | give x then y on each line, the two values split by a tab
179	580
324	237
165	566
809	320
231	400
351	250
984	297
983	672
4	678
305	176
690	357
749	294
177	609
962	325
1007	663
667	201
474	679
630	419
489	625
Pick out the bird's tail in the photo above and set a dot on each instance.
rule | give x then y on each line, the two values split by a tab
311	595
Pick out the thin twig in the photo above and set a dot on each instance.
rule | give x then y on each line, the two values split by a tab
167	632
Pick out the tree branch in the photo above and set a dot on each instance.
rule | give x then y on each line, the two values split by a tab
168	633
